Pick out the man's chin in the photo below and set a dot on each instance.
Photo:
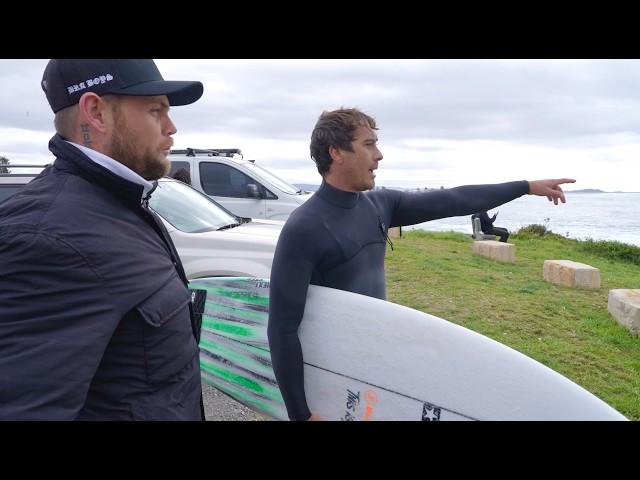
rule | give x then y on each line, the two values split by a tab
167	169
157	170
164	166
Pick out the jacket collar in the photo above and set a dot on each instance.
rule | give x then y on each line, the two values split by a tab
72	160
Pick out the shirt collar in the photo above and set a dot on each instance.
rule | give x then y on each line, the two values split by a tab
115	167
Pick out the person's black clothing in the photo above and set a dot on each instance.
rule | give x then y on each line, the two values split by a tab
486	224
95	315
503	233
337	239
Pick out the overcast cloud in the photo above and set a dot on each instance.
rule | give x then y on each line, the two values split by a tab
442	122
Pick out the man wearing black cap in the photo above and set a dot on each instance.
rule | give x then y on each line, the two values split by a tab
96	319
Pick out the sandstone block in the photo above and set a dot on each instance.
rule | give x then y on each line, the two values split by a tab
571	274
500	251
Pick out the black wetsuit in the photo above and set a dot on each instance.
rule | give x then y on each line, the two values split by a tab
337	239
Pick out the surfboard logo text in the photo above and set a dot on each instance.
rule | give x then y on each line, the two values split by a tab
260	283
353	400
370	399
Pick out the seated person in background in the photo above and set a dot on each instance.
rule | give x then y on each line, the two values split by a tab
486	224
183	175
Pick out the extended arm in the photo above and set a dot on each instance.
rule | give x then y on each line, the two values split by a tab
412	208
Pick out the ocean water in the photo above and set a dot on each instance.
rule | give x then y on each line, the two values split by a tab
599	216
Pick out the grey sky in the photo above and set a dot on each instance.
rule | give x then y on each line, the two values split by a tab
442	122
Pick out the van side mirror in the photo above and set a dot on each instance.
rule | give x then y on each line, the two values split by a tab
253	191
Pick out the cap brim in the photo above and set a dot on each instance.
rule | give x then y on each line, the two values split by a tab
178	92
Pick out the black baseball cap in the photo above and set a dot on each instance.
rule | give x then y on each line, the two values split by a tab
65	80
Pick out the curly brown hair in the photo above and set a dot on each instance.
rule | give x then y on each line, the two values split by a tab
336	129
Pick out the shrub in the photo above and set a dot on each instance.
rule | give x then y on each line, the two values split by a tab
612	250
537	230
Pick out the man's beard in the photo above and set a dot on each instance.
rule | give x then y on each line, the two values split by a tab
144	162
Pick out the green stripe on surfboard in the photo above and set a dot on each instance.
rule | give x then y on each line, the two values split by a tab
242	381
233	328
271	409
234	356
238	311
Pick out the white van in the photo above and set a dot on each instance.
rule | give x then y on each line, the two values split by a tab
241	186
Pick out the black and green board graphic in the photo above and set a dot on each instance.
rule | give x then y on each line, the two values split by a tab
234	350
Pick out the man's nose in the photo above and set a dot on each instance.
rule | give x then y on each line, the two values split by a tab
170	127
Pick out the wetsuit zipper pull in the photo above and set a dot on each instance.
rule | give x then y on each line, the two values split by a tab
384	232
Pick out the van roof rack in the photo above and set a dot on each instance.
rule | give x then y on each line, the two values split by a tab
212	152
25	166
12	166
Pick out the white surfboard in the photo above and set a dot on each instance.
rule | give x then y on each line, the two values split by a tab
368	359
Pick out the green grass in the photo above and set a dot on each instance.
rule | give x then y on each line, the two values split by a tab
569	330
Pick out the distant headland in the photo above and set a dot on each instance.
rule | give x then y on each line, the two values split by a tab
594	190
586	190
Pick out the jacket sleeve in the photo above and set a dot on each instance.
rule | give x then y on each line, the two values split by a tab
412	208
55	323
293	264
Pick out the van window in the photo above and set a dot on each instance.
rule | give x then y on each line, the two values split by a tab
224	181
272	179
177	166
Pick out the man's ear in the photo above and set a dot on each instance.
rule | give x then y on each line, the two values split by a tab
94	111
336	154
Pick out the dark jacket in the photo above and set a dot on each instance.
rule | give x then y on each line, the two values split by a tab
95	316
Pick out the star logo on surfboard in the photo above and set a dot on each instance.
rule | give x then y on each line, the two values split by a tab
430	413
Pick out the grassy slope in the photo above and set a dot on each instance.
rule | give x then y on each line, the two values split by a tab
569	330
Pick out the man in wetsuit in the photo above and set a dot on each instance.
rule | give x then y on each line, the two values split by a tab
337	238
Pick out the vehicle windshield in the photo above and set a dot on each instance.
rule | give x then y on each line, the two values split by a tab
271	178
189	210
